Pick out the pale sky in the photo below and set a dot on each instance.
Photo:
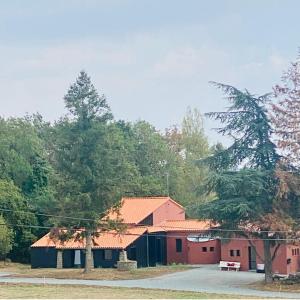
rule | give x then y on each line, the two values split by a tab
151	58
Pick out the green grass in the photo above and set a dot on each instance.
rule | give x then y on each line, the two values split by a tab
20	270
13	291
276	286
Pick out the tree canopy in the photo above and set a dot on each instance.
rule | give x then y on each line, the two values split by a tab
5	238
244	176
285	114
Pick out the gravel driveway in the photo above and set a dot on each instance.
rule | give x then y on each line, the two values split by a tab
206	278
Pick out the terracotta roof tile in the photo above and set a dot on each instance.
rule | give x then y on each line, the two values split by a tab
181	225
153	229
44	241
106	240
134	210
186	225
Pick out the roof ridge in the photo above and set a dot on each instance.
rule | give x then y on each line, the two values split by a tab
185	220
148	197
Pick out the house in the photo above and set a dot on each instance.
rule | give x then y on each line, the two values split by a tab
106	249
157	233
286	260
188	243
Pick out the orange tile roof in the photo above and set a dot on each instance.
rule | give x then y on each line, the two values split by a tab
134	210
106	240
153	229
186	225
181	225
44	241
119	241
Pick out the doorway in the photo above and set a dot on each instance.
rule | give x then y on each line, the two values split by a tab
252	258
158	251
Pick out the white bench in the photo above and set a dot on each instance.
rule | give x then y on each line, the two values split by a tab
279	276
229	265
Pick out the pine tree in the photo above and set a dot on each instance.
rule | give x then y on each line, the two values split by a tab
244	174
91	161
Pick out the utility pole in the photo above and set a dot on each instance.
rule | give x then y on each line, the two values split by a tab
168	192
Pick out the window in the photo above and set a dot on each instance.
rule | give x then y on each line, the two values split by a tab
235	252
211	249
108	254
178	245
204	249
295	251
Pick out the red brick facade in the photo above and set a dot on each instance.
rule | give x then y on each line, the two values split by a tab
286	261
170	210
192	252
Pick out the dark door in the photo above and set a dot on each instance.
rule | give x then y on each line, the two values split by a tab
133	253
158	251
252	258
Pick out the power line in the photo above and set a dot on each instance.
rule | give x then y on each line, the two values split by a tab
26	225
157	235
165	227
46	215
220	229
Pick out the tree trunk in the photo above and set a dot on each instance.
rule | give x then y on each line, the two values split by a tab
89	262
267	259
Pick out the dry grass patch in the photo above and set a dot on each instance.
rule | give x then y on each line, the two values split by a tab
10	291
20	270
276	286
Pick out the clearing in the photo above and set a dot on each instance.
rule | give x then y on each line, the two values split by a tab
21	270
10	291
276	286
204	281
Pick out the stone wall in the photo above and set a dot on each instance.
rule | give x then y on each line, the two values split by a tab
59	259
126	265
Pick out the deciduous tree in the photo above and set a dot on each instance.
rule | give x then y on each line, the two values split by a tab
5	239
189	144
19	217
286	114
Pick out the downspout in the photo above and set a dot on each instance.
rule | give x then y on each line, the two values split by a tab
147	249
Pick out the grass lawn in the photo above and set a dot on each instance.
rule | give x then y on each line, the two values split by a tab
76	292
20	270
276	286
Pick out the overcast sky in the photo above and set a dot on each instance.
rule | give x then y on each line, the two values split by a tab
152	59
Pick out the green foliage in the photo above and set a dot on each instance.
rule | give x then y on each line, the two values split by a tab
22	158
151	159
84	103
188	145
244	175
5	238
242	197
17	215
166	164
90	156
194	140
247	123
82	164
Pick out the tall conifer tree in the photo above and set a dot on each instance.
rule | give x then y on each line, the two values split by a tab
244	177
91	160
